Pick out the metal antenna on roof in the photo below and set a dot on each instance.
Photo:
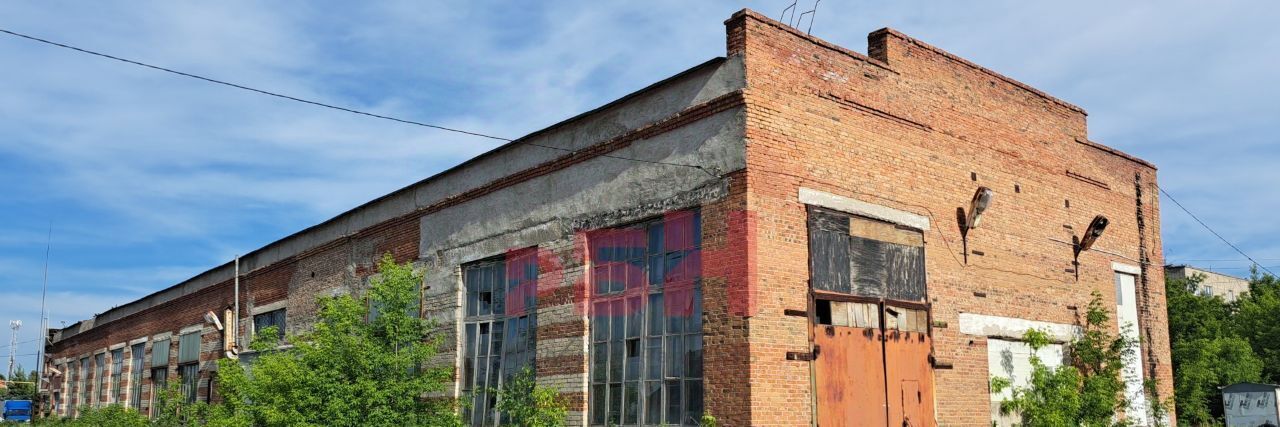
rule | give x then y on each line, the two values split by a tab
801	20
811	17
792	8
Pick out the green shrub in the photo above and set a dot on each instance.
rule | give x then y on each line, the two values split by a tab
525	403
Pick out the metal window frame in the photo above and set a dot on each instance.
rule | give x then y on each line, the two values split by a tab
137	356
271	318
158	385
99	368
189	383
469	380
644	294
117	373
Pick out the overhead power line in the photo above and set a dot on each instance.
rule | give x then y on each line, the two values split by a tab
20	342
322	104
1220	260
1215	233
240	86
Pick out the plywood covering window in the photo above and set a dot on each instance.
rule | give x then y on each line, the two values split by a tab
646	323
864	257
499	322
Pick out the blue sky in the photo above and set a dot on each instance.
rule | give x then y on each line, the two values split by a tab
150	178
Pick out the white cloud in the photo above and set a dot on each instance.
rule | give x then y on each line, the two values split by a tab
131	157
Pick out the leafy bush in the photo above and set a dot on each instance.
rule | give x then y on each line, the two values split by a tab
348	370
1086	391
524	403
108	416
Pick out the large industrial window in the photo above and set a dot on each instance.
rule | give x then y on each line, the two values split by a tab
501	307
117	369
646	323
99	364
135	375
269	319
189	365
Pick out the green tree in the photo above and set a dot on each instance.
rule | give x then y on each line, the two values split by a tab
1257	319
1208	351
348	370
21	387
524	403
1088	390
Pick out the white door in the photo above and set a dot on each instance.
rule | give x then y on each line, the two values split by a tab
1127	318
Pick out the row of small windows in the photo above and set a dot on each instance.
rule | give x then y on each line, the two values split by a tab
646	344
79	387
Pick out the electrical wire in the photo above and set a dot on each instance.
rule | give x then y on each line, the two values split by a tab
325	105
1221	260
20	342
1215	233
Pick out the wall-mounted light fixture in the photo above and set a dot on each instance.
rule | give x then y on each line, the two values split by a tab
979	204
213	318
1091	235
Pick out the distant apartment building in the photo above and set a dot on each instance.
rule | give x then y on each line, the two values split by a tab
1212	283
783	236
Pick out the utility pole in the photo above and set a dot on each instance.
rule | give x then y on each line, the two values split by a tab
44	322
13	346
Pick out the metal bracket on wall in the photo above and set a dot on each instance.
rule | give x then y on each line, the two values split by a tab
800	355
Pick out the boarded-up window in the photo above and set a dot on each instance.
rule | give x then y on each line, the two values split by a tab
829	243
865	257
189	348
160	353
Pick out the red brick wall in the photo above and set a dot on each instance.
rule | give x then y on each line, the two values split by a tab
911	128
343	262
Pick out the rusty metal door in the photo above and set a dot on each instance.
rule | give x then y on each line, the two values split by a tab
869	323
847	367
908	373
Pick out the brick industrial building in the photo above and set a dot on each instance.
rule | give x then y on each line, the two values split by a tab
774	237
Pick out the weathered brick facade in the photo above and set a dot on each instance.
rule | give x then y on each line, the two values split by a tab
907	129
